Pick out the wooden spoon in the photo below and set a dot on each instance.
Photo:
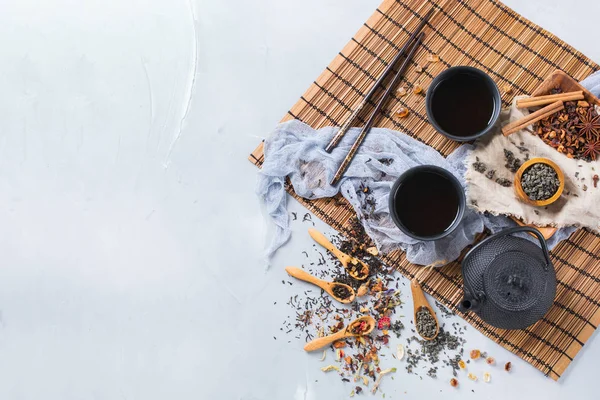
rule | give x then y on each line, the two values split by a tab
420	301
319	343
326	286
546	231
350	263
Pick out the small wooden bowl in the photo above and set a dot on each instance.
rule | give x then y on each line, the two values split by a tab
521	193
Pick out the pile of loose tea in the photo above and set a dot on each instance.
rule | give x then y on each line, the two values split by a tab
341	292
425	323
574	131
540	181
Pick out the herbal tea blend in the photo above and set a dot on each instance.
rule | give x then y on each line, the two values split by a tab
540	181
364	360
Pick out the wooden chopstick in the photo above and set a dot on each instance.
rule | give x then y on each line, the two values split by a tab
548	99
531	118
348	122
365	130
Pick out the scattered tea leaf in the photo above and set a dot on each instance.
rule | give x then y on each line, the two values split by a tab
362	290
402	112
330	368
324	355
381	375
487	377
402	91
400	352
373	250
583	103
475	354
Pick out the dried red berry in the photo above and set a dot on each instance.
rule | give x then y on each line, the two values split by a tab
384	323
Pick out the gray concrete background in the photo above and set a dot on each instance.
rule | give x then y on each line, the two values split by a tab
131	262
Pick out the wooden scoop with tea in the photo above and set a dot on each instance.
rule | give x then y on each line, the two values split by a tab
339	291
359	327
356	268
420	302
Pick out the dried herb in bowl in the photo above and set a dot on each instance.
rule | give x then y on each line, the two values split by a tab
540	182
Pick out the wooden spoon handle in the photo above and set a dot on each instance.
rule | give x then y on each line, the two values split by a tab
419	299
322	240
305	276
319	343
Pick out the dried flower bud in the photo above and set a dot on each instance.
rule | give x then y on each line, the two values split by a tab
402	91
507	89
583	103
508	366
462	364
418	68
417	89
362	290
490	360
373	251
472	377
453	382
402	112
487	377
433	58
339	344
475	354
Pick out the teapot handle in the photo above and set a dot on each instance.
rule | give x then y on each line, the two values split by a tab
531	230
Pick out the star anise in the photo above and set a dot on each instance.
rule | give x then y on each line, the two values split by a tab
591	149
589	126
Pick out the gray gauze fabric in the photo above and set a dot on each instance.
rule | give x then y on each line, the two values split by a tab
295	150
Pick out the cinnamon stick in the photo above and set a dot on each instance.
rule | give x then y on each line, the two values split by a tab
531	118
548	99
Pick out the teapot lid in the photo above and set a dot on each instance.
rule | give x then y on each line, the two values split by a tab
515	280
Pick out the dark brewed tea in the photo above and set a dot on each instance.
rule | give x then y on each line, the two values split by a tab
427	203
463	104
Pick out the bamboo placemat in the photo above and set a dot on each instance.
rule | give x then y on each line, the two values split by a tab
515	53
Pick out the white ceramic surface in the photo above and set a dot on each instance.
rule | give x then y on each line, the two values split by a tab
131	256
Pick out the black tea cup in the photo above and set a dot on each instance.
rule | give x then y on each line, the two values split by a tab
427	202
463	103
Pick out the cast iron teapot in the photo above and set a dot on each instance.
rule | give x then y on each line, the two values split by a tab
509	281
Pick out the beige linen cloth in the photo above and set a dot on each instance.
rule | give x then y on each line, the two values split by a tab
579	204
